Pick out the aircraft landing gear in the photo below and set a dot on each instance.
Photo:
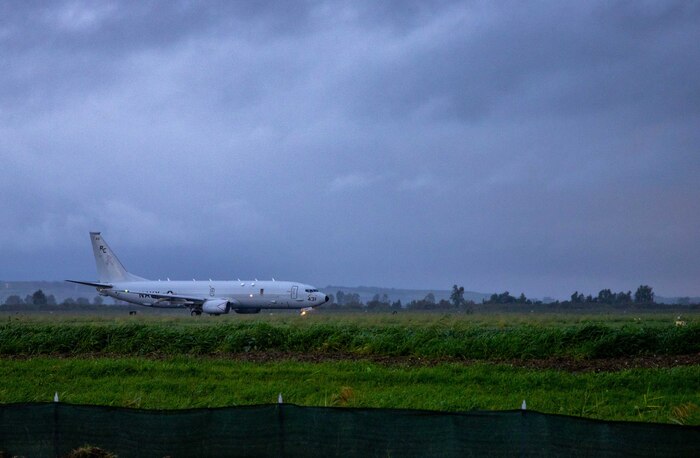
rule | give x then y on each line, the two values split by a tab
196	312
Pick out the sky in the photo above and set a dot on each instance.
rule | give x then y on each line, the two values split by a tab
539	147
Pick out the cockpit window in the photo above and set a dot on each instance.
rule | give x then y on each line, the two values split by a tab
311	290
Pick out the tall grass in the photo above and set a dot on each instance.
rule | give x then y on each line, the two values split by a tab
434	340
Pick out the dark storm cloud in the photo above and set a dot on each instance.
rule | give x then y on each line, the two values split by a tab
51	49
591	58
537	147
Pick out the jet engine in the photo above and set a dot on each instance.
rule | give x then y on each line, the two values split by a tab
216	306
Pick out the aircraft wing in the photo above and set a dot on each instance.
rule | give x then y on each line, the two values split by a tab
174	298
179	299
93	284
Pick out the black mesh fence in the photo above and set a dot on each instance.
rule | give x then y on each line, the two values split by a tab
54	429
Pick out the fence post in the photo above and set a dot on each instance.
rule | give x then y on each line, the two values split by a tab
280	427
55	426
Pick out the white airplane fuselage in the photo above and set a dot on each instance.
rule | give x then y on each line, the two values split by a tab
239	294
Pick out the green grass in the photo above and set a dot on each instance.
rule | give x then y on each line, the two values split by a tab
173	361
403	337
658	395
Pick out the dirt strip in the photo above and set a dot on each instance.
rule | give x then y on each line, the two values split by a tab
558	363
568	364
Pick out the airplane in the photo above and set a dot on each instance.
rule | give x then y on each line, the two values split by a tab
212	297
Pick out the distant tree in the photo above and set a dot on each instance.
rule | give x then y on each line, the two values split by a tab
351	300
605	296
503	298
457	296
13	300
427	303
68	301
50	300
82	301
444	304
39	298
523	300
468	306
396	305
420	304
378	302
98	300
623	298
644	295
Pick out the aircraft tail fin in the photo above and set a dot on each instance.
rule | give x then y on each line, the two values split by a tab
109	268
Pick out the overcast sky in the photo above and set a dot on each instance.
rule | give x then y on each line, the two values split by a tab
534	147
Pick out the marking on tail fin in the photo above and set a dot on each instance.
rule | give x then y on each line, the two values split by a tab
109	268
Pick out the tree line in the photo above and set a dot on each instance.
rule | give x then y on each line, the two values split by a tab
349	301
643	295
39	298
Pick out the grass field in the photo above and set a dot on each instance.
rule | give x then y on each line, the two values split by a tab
407	335
178	362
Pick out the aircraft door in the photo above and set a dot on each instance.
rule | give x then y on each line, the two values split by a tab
295	289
